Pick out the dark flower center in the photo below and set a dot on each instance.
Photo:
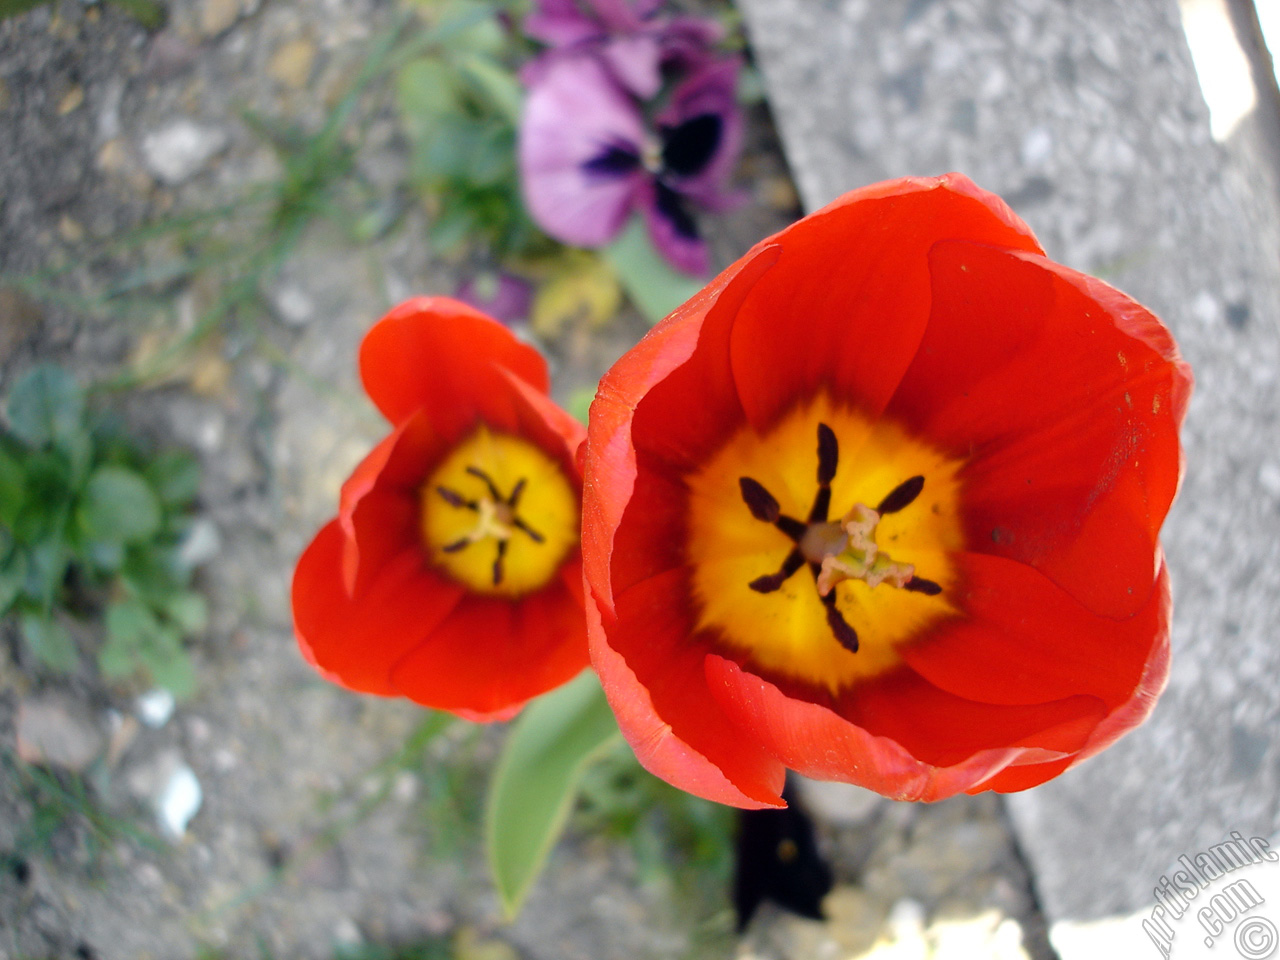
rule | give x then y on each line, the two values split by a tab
835	550
688	147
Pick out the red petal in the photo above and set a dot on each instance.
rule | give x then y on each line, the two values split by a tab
846	305
816	742
1154	677
540	420
355	641
379	505
1023	640
1013	779
459	346
654	680
695	420
942	729
1066	405
651	537
494	653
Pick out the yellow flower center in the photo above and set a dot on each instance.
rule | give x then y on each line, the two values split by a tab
820	546
499	515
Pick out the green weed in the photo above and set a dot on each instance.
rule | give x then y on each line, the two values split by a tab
90	522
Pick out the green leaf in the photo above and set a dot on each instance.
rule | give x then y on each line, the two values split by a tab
117	658
130	623
579	405
498	85
148	13
46	498
188	610
534	784
175	477
653	285
426	90
13	574
46	568
168	663
78	448
49	640
46	407
9	8
12	484
104	554
118	505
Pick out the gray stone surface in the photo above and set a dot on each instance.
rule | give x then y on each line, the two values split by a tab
1087	117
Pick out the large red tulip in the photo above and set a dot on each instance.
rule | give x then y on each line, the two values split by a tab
882	505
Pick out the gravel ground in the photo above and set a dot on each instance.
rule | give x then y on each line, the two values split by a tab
312	834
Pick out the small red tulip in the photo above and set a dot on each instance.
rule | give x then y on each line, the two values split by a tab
452	574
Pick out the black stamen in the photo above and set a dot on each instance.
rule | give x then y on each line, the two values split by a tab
759	501
845	634
791	527
828	454
515	492
821	504
772	581
534	535
488	482
828	457
903	495
455	499
921	585
456	545
497	564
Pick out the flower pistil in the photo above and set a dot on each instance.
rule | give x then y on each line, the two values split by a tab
464	508
836	550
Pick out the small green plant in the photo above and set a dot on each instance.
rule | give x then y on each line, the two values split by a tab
149	13
460	104
63	805
88	521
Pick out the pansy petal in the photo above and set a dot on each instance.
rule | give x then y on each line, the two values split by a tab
561	23
491	653
462	346
710	91
846	307
503	296
573	116
1023	640
672	228
656	687
624	15
635	61
356	640
1069	419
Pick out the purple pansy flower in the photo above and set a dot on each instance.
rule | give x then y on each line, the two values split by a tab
587	158
501	295
627	35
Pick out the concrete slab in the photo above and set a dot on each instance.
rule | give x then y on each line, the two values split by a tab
1087	117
